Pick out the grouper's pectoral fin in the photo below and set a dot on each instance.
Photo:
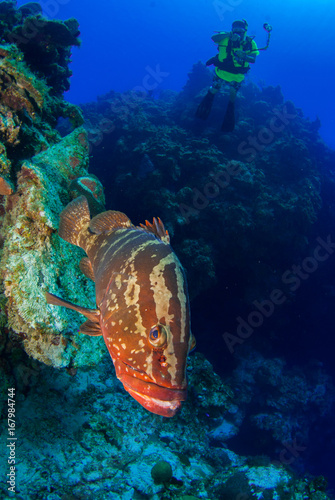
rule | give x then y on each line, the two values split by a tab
91	328
92	314
86	268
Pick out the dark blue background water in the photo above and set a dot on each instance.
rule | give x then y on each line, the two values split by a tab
120	39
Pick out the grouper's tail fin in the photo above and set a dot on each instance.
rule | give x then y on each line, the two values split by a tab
74	221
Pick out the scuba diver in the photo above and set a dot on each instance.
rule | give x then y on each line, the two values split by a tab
236	52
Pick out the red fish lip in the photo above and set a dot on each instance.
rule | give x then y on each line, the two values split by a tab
151	389
157	406
165	401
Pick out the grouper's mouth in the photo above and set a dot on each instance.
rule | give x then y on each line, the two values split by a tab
154	405
164	401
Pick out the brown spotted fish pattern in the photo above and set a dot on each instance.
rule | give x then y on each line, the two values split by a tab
142	302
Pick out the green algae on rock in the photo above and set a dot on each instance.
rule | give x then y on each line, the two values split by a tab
161	472
34	258
37	168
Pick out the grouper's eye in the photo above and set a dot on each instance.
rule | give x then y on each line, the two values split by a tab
157	336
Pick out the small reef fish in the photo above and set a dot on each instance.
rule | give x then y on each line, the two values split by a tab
142	301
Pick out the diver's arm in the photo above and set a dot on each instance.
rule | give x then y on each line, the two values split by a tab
245	57
250	58
217	37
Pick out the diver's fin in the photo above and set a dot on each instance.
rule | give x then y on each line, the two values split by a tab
91	314
228	123
205	106
91	328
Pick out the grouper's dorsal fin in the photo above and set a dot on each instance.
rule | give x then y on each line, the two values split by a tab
92	314
73	219
107	221
86	268
157	228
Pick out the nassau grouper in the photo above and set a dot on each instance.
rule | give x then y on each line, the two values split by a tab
143	308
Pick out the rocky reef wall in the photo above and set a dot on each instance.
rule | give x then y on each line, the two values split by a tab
246	202
40	172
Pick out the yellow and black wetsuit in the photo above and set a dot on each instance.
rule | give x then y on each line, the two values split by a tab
227	65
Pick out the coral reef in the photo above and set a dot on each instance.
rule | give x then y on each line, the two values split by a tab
253	196
19	91
28	113
46	44
38	175
277	409
81	436
242	210
34	259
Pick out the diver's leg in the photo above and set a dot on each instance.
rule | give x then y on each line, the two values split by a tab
216	85
205	106
234	88
228	123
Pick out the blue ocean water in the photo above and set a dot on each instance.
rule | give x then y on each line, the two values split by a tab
121	40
